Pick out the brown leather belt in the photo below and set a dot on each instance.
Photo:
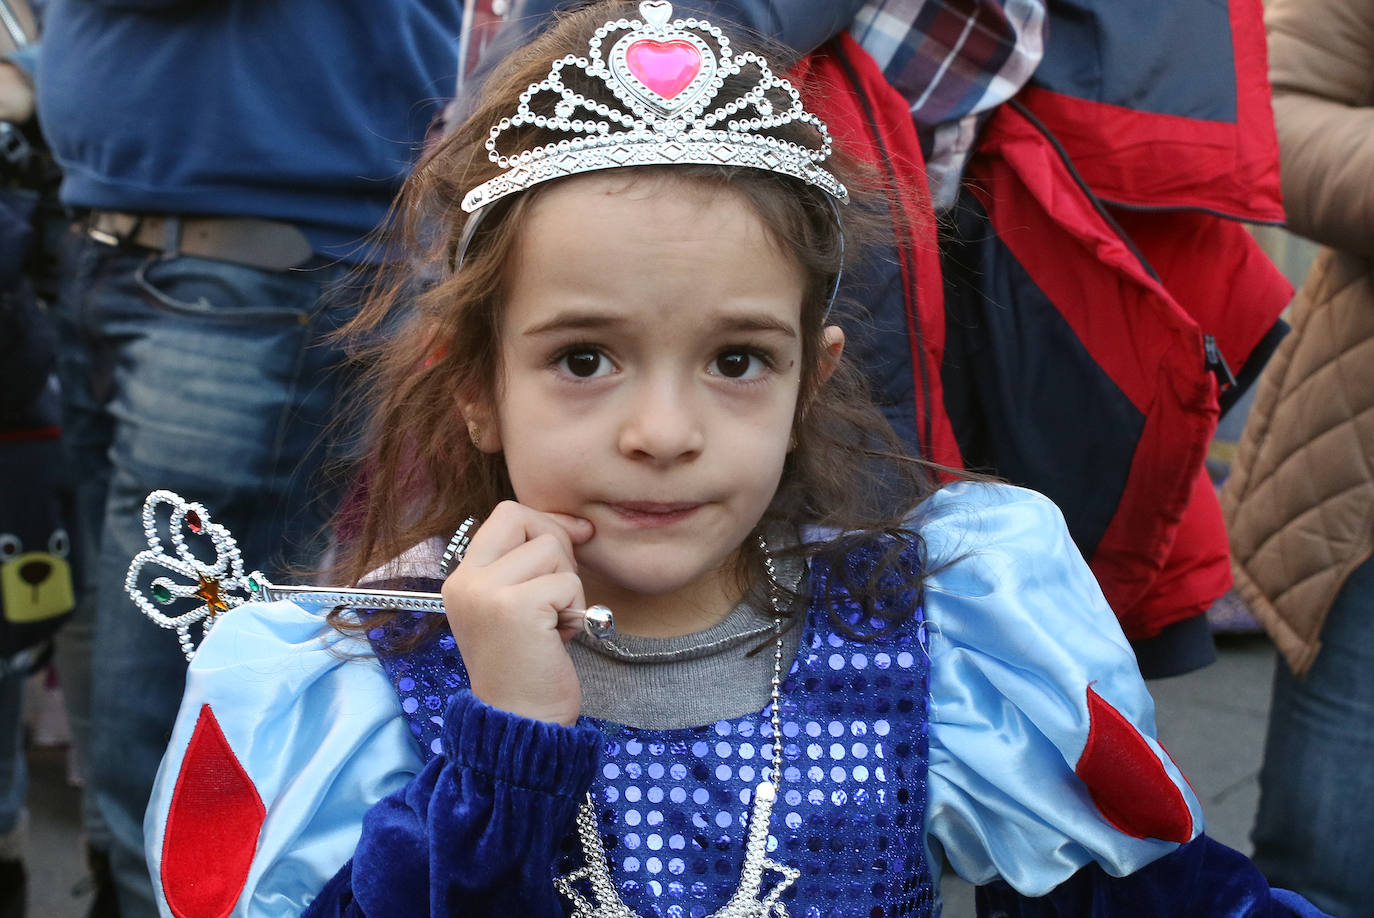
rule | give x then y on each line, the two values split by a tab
265	244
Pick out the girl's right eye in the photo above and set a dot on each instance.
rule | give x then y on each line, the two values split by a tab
584	363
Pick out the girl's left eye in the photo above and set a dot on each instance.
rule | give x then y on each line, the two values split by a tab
584	363
739	364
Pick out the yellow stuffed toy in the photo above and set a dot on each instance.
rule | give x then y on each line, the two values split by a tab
36	593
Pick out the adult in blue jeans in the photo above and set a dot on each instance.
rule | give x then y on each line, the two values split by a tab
1300	500
224	161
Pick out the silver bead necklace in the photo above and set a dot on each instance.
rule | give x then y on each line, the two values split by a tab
750	899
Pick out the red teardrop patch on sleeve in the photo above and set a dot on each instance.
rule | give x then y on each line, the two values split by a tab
1127	781
212	827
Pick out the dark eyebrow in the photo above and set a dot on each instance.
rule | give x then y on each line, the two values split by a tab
574	321
591	321
759	323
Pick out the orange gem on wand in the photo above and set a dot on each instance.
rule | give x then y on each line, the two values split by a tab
209	592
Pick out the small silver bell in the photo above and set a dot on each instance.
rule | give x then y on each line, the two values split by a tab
598	621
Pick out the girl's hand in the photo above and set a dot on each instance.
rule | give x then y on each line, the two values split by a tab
513	603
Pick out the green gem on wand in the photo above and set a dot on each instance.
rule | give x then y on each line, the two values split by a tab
161	593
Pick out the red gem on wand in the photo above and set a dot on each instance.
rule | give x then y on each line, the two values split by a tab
193	522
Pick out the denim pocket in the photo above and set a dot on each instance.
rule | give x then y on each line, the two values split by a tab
205	289
77	261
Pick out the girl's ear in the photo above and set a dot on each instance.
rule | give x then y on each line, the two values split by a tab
832	347
482	428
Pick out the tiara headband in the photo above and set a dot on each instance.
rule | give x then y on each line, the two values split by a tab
663	107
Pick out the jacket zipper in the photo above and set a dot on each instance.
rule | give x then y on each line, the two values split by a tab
1216	363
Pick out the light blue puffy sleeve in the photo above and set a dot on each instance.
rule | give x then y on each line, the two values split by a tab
285	725
1043	755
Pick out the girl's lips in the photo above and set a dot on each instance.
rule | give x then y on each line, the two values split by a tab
649	514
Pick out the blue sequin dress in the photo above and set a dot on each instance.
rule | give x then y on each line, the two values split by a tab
673	805
390	790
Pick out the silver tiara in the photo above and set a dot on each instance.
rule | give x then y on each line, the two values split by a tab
663	107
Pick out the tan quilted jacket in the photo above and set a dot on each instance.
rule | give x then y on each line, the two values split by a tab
1300	499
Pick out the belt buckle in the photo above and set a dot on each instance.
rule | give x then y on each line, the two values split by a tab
105	237
99	235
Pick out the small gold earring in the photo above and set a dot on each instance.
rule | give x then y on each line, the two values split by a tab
475	434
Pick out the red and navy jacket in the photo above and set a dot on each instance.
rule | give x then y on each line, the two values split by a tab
1079	320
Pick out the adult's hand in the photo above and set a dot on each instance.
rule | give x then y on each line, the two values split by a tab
16	94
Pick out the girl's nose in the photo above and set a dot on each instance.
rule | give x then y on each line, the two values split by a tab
663	425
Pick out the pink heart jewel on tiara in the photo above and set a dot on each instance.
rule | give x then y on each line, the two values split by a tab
666	67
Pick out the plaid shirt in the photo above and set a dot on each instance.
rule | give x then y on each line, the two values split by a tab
955	61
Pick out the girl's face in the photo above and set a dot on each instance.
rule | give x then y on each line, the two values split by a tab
651	350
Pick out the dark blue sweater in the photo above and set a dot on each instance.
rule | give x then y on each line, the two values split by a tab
307	111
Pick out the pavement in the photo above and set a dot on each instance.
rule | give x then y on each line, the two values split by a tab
1212	722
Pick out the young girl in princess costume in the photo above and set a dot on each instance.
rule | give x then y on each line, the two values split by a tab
627	372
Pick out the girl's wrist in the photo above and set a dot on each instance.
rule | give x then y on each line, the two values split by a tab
553	718
525	707
535	755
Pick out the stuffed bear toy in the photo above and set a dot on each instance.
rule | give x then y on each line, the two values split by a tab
36	593
36	586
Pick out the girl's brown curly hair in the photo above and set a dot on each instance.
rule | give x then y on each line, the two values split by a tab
430	333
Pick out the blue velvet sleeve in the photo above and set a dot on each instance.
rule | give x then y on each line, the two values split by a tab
1202	879
475	832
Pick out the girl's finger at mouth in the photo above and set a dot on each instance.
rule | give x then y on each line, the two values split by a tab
544	554
511	525
577	528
